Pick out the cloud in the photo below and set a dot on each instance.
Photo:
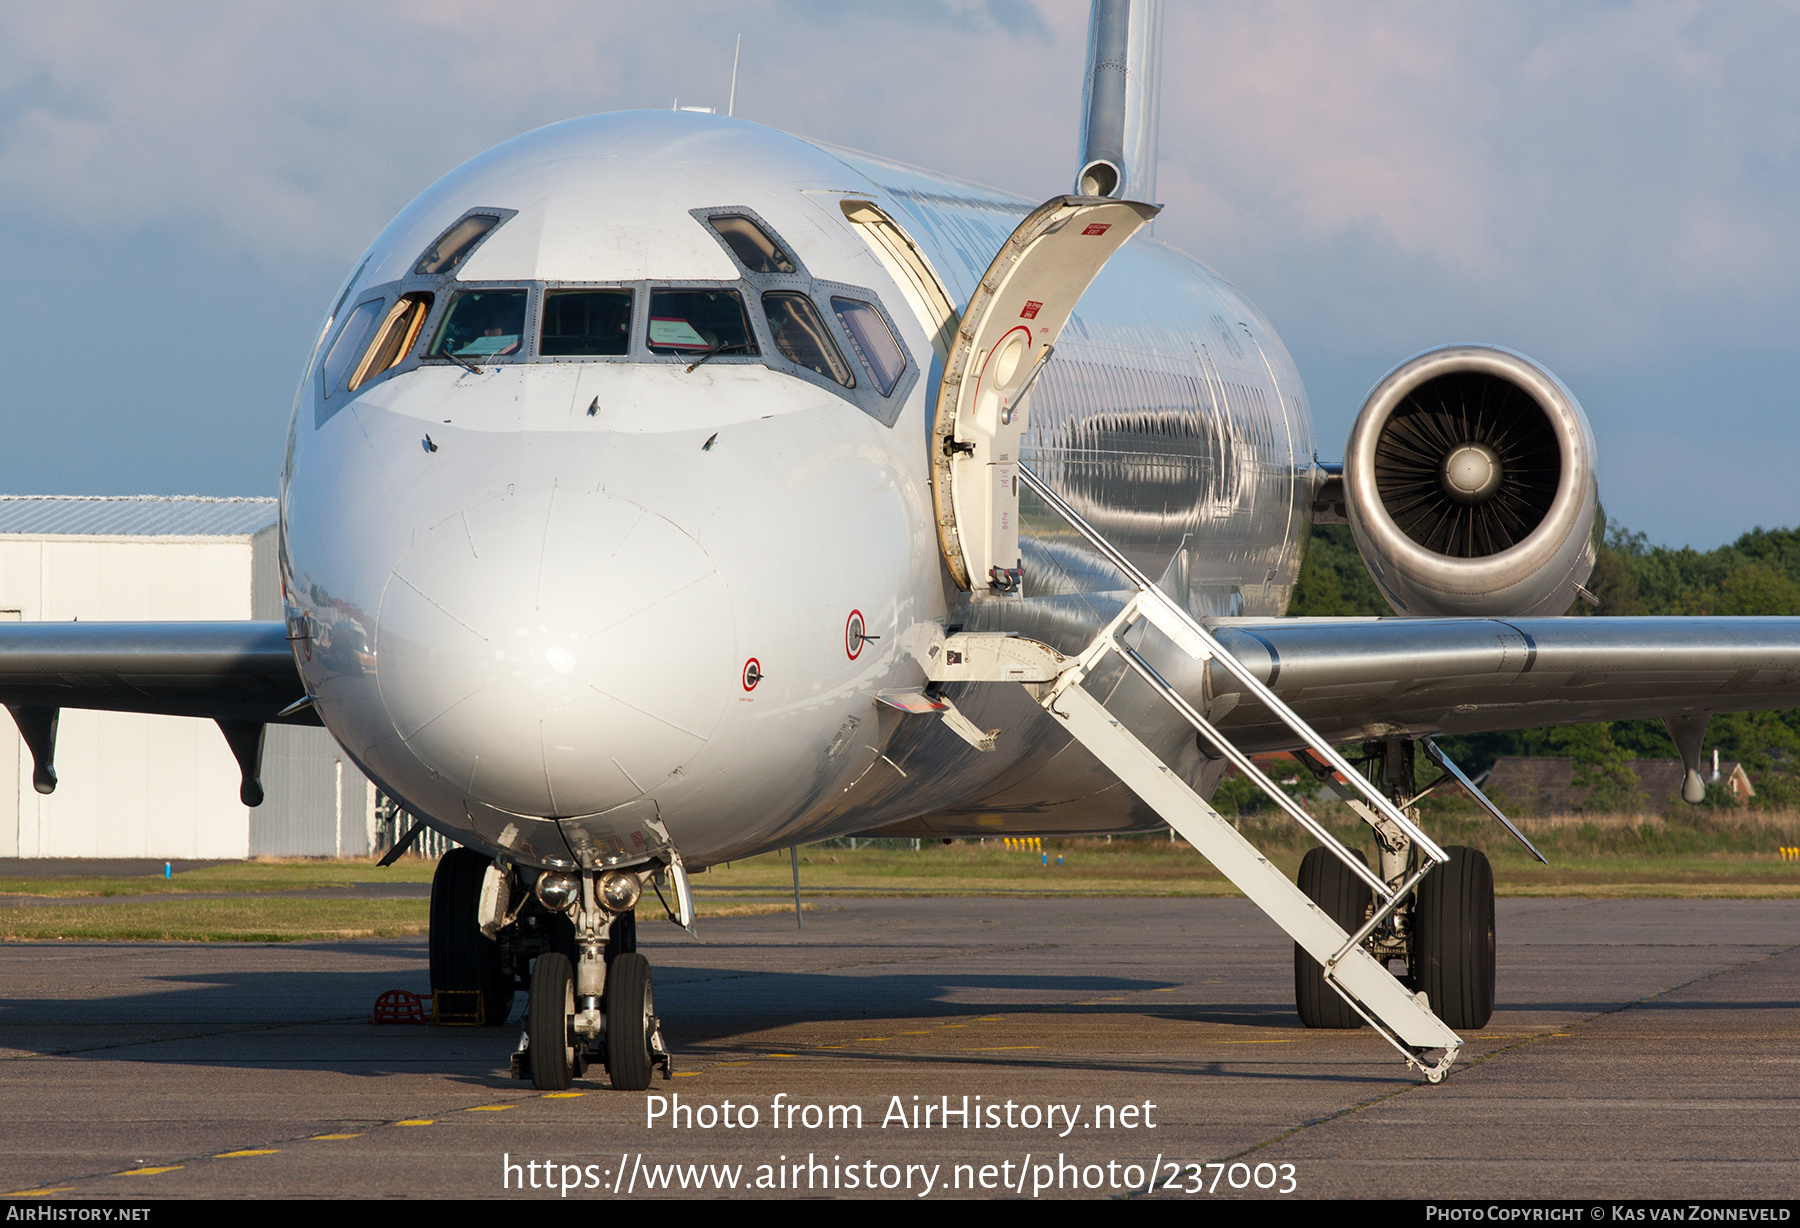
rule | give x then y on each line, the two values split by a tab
1595	171
297	131
1373	172
1609	187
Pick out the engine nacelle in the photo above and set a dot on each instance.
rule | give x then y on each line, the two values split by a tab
1469	485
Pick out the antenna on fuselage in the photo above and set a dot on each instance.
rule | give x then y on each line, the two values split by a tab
731	106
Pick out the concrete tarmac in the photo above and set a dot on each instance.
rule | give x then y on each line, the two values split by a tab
1642	1049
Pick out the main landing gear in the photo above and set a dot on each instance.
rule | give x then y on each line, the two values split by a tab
471	981
1445	933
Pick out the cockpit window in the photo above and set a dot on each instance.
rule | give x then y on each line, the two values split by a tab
586	322
799	333
398	332
482	324
873	342
752	244
351	342
698	322
455	243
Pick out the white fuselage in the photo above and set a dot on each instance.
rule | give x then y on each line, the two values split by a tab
527	600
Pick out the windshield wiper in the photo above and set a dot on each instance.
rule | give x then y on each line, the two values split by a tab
718	349
459	360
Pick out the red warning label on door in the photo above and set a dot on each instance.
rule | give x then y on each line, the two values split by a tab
1098	228
1031	310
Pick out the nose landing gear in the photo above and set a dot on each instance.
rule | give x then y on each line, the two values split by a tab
591	1002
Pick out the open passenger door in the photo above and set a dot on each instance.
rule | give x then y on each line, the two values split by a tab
1008	332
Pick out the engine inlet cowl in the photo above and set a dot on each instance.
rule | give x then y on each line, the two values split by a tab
1470	488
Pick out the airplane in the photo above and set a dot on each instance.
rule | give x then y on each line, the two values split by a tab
662	489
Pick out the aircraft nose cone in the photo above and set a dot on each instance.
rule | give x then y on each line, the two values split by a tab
555	652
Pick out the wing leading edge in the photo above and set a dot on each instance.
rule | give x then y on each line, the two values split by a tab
224	671
1349	678
1382	677
241	675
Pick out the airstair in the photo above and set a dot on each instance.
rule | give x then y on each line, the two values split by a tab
1401	1017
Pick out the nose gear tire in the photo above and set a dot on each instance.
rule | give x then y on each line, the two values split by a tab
548	1016
630	1022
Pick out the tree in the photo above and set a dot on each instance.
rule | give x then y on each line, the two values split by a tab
1333	579
1602	767
1758	574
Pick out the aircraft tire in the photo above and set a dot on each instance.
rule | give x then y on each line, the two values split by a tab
463	959
1453	939
621	939
630	1012
1331	885
548	1017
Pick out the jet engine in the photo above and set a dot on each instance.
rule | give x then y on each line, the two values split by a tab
1469	485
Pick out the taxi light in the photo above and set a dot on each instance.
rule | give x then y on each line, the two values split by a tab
620	889
558	891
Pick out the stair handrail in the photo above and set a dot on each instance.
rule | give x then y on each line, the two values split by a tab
1237	669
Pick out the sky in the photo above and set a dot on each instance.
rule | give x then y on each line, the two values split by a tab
1607	187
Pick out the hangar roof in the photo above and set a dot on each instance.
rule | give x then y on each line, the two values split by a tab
133	516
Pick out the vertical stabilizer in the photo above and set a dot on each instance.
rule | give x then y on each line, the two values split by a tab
1120	100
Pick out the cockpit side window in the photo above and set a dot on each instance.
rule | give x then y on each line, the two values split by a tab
395	339
589	323
455	243
352	340
684	321
752	245
482	324
799	333
872	340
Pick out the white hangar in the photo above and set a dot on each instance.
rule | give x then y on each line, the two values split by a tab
161	786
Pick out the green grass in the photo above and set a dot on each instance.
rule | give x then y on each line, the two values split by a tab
1698	853
232	920
1689	854
1091	867
253	920
286	874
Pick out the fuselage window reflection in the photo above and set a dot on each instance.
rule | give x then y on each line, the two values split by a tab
351	342
752	244
395	340
594	323
482	324
455	243
873	342
698	322
799	333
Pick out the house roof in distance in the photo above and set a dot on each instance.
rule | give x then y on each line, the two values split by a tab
133	516
1545	784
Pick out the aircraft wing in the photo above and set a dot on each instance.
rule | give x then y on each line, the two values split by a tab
237	672
1375	677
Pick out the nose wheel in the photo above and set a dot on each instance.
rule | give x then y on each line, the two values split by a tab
563	1035
633	1032
557	1055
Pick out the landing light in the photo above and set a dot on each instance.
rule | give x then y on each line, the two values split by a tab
558	891
620	889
